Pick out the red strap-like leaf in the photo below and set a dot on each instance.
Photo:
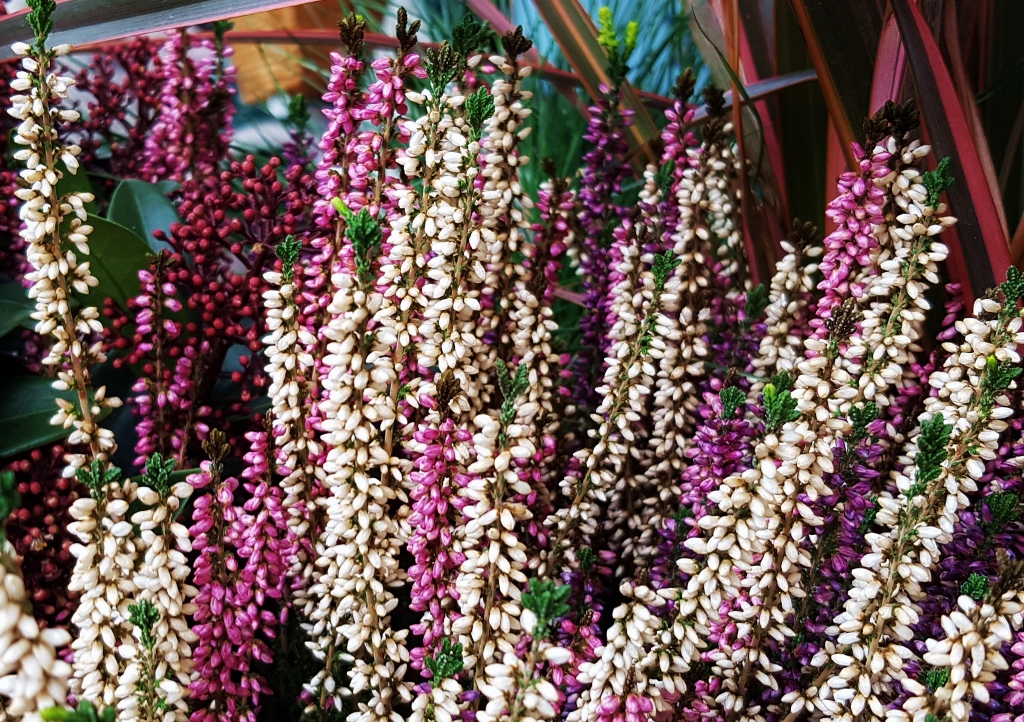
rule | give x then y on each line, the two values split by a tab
983	246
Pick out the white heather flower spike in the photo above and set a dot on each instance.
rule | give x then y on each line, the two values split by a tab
291	369
502	218
629	377
876	621
350	599
32	677
104	573
162	581
56	269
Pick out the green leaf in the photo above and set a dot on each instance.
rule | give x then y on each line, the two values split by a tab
143	207
548	600
732	398
447	663
116	255
975	587
15	308
932	449
27	403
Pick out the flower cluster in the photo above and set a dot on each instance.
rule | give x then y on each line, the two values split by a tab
374	480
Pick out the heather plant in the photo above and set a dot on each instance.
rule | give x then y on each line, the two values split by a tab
362	476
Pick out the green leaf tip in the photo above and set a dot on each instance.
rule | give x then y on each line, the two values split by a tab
9	499
446	663
288	251
96	477
664	264
40	19
606	34
548	601
512	387
469	35
1003	509
779	408
665	177
144	615
937	181
351	30
935	678
86	712
1013	286
365	234
479	107
932	450
443	62
157	473
732	398
976	586
757	302
586	557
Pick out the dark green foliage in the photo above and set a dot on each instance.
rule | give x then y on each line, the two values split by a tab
998	377
586	558
869	517
144	616
447	663
442	65
937	181
157	473
664	264
976	586
665	177
406	31
514	43
352	29
782	381
288	252
1003	509
732	398
40	19
1013	286
512	387
469	35
779	408
96	477
932	451
9	499
860	418
364	232
548	602
86	712
298	112
757	302
935	678
479	107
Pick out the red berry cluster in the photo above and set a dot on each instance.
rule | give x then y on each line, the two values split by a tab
38	531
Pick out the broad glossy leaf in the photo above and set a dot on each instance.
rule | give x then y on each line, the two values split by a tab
116	255
27	403
142	208
15	307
